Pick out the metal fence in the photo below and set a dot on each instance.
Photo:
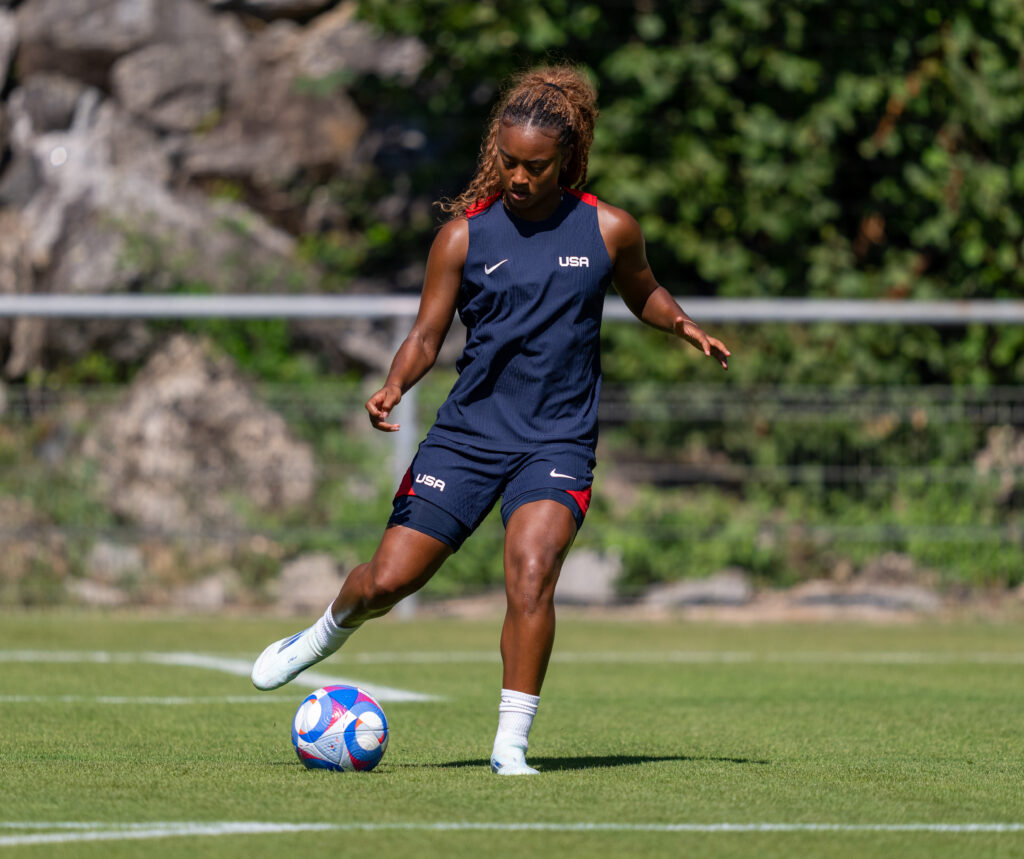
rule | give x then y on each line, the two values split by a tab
752	441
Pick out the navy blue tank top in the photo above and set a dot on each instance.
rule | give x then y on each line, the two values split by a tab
531	299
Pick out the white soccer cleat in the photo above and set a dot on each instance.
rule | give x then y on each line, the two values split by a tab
284	660
511	760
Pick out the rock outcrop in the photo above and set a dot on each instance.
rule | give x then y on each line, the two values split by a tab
120	118
192	447
152	145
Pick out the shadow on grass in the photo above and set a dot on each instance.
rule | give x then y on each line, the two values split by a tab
586	762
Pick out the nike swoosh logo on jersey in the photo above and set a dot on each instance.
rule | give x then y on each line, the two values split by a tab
556	474
489	268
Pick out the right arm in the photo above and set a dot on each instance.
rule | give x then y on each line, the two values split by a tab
418	351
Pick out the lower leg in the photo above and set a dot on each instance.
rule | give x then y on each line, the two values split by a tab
527	637
404	561
526	641
515	718
538	538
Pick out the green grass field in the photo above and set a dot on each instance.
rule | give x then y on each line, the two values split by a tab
116	729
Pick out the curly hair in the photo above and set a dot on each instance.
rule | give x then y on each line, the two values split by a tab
551	97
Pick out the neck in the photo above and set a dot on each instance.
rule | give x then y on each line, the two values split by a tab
537	211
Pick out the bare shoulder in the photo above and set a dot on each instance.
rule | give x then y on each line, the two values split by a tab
452	242
619	229
445	263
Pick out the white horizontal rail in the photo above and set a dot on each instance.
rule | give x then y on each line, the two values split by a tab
178	306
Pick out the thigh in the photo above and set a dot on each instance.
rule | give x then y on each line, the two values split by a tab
538	536
563	473
540	530
406	559
403	562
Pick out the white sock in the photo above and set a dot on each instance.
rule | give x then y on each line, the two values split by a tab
328	636
515	718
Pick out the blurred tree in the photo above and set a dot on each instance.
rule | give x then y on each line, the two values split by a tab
799	148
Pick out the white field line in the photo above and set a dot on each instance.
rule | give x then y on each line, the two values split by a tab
698	657
63	832
241	667
227	665
169	700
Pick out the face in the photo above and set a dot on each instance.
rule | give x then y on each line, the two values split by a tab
529	161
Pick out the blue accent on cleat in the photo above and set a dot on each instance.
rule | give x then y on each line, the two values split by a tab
289	641
282	661
511	761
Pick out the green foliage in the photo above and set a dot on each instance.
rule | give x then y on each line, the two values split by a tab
811	477
669	535
60	493
769	148
262	348
94	368
784	149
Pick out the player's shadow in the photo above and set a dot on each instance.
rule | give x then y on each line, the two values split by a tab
586	762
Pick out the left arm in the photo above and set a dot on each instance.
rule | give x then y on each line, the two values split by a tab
644	296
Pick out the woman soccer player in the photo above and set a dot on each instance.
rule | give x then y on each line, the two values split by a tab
525	260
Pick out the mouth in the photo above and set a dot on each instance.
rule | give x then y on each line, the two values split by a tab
517	196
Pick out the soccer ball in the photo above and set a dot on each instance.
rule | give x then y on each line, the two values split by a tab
340	728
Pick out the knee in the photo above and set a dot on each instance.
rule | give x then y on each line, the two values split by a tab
382	586
530	579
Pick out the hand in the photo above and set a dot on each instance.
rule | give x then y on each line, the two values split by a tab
687	329
380	405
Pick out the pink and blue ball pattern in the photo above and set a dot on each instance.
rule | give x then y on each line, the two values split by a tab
340	728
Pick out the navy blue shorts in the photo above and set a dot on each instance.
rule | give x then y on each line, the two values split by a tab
450	488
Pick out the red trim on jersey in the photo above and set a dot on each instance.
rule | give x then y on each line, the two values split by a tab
406	487
582	498
481	205
589	199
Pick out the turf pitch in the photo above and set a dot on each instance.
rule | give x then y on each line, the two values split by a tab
123	734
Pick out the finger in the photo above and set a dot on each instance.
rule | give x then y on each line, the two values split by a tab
379	407
382	402
687	330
